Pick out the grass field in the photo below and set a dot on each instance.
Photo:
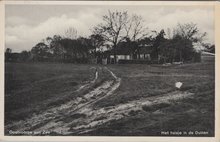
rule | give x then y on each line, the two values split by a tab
190	114
32	88
29	88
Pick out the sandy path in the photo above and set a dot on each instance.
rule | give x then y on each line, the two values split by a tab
56	119
103	115
78	116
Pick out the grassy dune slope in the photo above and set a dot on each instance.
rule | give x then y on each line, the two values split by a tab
29	88
191	114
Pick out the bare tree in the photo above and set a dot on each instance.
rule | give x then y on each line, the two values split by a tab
71	33
112	28
190	31
135	30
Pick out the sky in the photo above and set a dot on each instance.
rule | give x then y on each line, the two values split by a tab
26	25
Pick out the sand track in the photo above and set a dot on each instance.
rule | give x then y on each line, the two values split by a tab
58	118
101	116
78	116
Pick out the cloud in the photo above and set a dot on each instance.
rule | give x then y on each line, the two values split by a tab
203	18
54	25
23	33
12	39
15	20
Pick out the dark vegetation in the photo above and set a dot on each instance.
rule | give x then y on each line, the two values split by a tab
118	31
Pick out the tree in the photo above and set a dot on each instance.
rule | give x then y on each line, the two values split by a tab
8	52
189	35
180	46
135	31
176	49
84	45
77	50
112	28
135	28
56	48
96	42
24	55
190	32
40	51
69	47
167	51
157	41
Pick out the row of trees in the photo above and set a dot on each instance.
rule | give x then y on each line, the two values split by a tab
179	46
61	49
69	48
116	28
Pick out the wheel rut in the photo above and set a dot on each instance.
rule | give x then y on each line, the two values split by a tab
79	116
59	118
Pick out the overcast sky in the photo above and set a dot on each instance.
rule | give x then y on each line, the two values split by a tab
26	25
